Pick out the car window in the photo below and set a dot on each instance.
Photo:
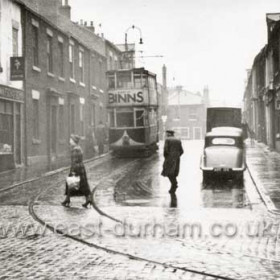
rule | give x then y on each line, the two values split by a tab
223	141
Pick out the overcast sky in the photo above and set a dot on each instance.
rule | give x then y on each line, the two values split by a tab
204	42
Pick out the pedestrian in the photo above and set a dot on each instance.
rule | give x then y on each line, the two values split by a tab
77	169
172	152
101	137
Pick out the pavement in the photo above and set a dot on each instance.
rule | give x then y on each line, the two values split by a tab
24	174
264	168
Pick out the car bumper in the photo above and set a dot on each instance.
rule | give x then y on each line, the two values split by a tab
223	169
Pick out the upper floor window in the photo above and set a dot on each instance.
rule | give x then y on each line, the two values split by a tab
81	66
61	60
71	60
100	72
35	44
193	114
15	41
50	54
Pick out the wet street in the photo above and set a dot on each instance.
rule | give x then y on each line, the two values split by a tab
219	231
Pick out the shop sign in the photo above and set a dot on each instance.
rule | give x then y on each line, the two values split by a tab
17	68
127	97
11	93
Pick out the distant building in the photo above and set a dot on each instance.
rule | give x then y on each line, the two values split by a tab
186	113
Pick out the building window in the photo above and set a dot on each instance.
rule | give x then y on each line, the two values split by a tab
35	118
50	54
193	114
61	124
15	41
81	66
35	45
61	59
82	120
71	61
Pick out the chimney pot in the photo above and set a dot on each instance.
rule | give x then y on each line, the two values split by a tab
91	23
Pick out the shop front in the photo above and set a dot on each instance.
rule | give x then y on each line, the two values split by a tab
11	109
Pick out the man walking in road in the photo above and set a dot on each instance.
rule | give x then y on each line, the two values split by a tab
172	151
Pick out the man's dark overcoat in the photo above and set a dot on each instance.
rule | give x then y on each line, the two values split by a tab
172	151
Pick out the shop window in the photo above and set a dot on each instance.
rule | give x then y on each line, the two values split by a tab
6	127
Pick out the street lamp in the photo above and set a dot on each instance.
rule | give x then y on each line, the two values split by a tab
140	32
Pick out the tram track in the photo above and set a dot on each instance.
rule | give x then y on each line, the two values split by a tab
32	212
112	251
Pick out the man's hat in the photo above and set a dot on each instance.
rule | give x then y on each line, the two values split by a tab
75	138
170	132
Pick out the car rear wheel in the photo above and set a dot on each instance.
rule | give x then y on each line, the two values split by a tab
239	177
206	177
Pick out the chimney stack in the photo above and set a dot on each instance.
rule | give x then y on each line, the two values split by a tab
206	96
91	27
65	10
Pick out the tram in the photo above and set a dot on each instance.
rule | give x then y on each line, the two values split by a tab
132	105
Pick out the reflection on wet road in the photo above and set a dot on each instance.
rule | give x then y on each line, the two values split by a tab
144	186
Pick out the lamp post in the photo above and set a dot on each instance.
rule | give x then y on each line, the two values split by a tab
140	32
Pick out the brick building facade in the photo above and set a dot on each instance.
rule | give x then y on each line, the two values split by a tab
65	81
262	92
186	113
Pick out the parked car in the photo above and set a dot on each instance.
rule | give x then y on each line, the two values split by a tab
223	155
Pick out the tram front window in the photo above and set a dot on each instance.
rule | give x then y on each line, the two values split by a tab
125	119
124	80
111	82
139	118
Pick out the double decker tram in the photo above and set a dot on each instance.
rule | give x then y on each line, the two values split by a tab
133	112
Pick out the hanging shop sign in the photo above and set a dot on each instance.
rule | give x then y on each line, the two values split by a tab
17	68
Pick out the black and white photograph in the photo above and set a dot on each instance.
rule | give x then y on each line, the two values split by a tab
139	139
